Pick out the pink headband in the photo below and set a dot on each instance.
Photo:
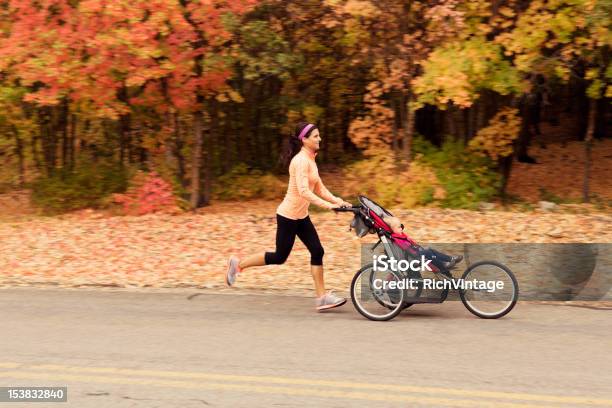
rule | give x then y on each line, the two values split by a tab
305	130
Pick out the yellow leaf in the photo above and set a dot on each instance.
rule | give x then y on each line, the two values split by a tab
506	11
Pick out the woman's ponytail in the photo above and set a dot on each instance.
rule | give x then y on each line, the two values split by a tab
293	144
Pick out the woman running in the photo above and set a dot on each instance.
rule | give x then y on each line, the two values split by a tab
292	218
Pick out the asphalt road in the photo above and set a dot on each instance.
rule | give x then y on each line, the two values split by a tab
187	348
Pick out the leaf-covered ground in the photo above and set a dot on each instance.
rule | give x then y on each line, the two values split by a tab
560	172
191	250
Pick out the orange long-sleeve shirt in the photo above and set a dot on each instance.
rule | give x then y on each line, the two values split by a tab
305	187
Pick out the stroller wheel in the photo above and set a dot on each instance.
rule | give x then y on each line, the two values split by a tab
389	306
490	304
374	297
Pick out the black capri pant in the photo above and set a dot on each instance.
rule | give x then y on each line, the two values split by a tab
286	230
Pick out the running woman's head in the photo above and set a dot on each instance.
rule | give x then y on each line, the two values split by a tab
306	134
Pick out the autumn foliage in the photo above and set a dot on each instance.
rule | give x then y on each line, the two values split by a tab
148	193
201	89
496	139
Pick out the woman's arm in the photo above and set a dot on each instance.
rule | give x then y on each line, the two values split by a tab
301	178
322	191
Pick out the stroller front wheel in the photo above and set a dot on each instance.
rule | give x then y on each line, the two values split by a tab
375	295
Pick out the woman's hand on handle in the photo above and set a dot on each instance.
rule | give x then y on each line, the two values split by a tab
340	203
346	204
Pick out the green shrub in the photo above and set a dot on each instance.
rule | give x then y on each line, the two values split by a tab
467	178
381	177
428	195
242	183
86	186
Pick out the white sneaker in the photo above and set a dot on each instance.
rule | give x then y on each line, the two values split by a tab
329	301
233	270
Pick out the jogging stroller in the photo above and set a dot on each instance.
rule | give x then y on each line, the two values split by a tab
379	294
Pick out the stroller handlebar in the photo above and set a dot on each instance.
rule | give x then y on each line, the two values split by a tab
352	209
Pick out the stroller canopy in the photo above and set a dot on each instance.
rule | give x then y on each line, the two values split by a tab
376	212
377	209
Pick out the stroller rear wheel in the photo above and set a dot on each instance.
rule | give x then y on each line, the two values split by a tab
374	293
490	302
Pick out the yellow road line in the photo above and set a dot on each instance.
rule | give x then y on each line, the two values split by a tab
325	383
263	389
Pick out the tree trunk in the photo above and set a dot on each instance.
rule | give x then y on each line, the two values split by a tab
143	153
467	118
178	150
481	113
64	127
248	133
209	133
221	142
124	125
48	138
35	155
124	136
237	126
196	166
505	168
588	144
408	133
255	126
451	122
230	146
397	117
347	144
20	157
207	157
71	147
325	122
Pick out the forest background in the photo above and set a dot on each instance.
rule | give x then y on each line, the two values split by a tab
145	106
